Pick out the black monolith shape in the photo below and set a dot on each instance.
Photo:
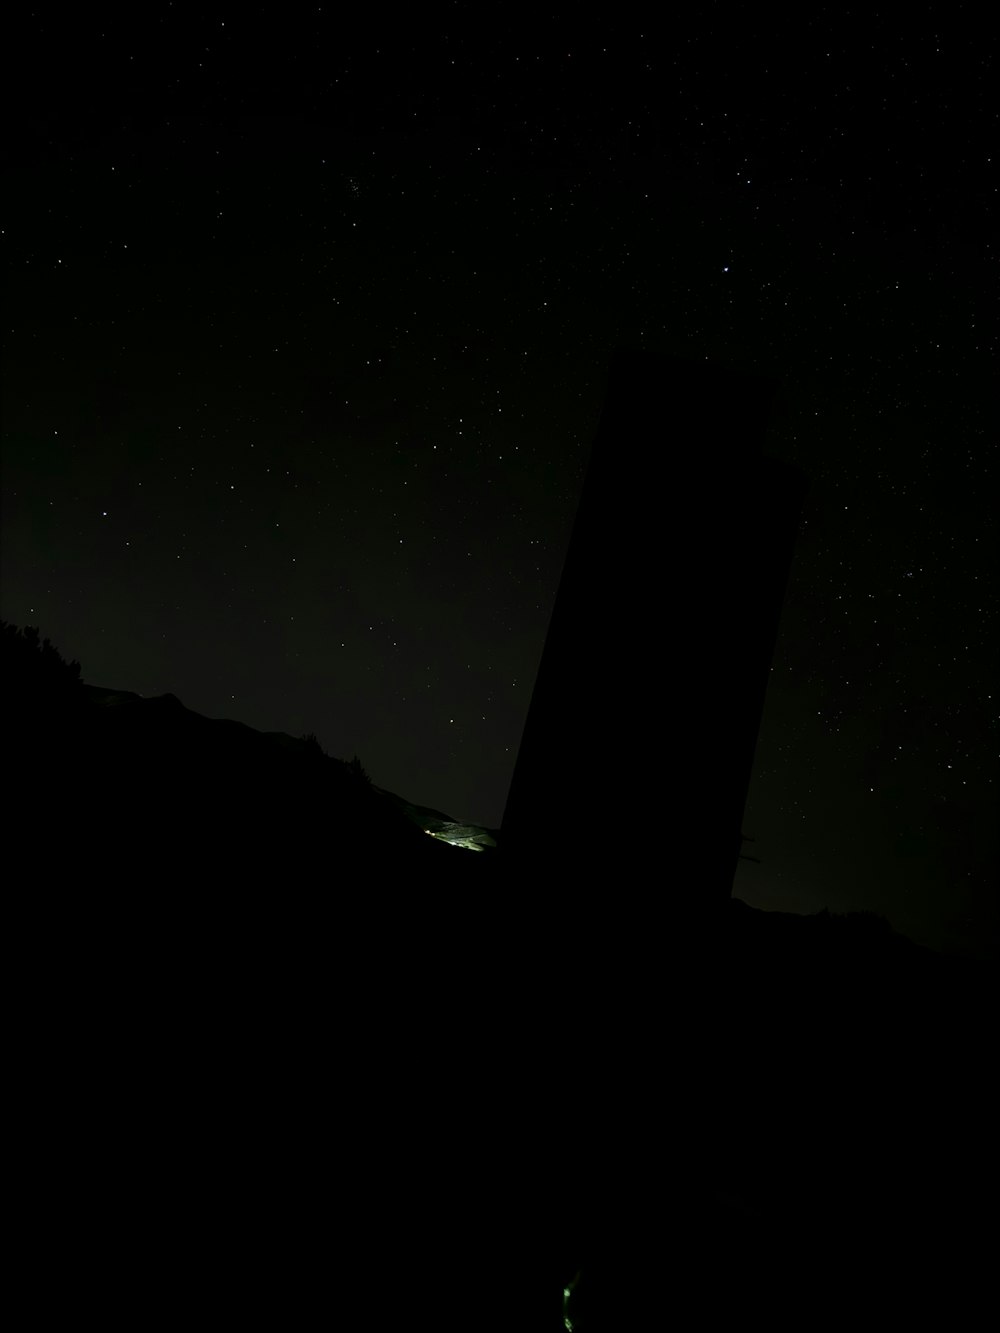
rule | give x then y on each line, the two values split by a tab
632	776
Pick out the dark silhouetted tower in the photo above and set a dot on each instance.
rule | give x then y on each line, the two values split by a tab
621	834
630	784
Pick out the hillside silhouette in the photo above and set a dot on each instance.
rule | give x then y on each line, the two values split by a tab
275	1040
150	789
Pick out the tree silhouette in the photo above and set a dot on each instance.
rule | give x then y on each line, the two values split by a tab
42	692
33	664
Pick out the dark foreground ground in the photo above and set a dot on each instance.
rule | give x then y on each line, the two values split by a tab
276	1059
396	1121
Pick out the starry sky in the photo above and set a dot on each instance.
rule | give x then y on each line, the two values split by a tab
306	327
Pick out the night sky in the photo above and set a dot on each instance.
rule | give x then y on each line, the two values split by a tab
307	322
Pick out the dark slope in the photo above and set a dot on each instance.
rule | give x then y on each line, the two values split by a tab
137	790
276	1048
